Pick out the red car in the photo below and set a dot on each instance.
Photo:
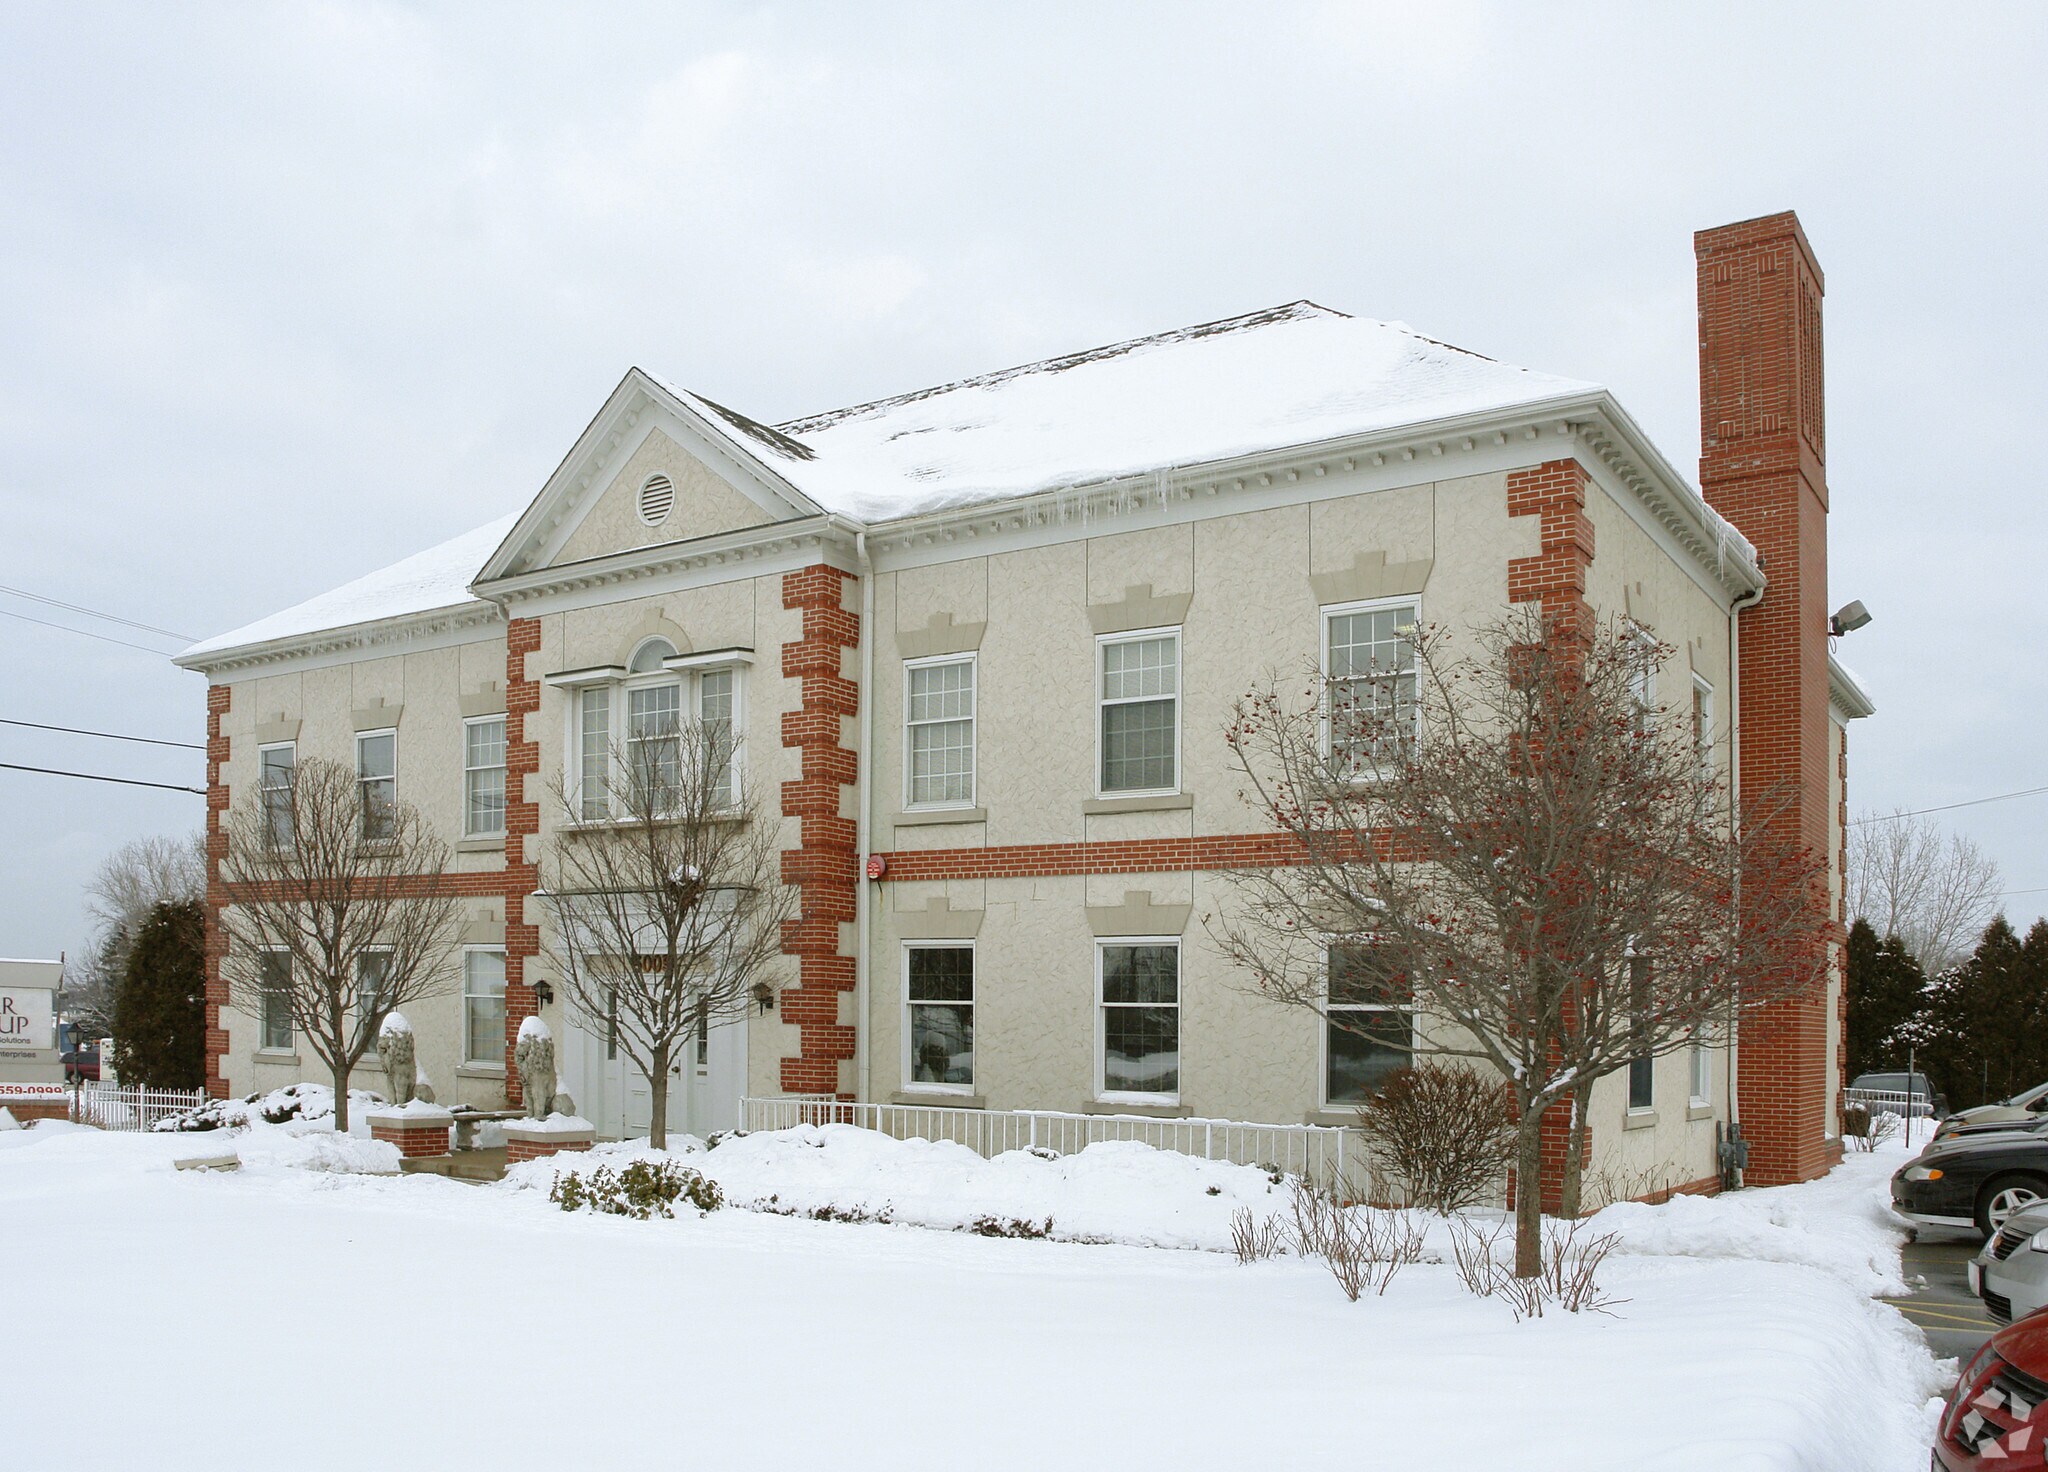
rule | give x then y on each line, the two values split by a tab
1997	1416
84	1063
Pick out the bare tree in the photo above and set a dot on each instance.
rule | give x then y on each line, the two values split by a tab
133	880
335	918
665	888
1934	890
1519	845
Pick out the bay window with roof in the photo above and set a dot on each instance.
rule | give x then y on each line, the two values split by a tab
637	732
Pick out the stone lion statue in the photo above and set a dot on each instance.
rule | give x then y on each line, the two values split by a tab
534	1056
395	1051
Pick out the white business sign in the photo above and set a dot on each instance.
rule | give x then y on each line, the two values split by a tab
28	1020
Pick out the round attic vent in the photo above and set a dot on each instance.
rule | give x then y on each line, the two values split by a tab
657	499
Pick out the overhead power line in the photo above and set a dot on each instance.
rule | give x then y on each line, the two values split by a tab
96	777
1949	807
104	735
88	633
112	618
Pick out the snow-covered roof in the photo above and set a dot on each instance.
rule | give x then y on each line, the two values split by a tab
1293	375
1298	374
424	582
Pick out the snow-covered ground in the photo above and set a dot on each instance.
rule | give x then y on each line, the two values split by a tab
271	1316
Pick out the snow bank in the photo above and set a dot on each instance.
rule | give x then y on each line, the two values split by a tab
273	1147
1116	1191
533	1027
1841	1224
1716	1362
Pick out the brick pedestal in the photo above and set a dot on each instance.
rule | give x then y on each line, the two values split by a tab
418	1130
531	1139
28	1110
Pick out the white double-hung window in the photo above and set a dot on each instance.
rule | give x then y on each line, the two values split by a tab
938	990
274	768
1369	1025
276	991
483	1006
1703	725
938	718
1138	1020
650	732
1369	674
377	781
1138	712
483	777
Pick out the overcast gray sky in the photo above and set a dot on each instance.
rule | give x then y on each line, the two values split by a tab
288	292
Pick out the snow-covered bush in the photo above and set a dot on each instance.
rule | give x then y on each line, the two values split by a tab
643	1189
302	1103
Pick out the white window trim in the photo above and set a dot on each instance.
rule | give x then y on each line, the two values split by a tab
1699	1064
290	1045
973	661
689	680
362	782
1133	636
1323	1033
498	1060
909	1085
262	801
1644	689
1103	1094
503	768
1705	749
1329	611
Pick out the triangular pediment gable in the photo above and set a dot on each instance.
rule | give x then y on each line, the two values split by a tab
591	506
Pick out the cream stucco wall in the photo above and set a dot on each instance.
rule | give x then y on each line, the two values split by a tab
423	696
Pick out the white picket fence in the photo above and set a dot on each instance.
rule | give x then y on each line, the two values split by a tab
1913	1105
118	1107
1301	1149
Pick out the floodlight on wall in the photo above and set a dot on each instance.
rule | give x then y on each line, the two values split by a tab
1849	618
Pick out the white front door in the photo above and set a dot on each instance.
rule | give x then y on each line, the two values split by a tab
705	1083
718	1077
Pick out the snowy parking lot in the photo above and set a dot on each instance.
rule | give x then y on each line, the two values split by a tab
294	1313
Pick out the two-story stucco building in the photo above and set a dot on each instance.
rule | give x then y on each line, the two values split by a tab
980	642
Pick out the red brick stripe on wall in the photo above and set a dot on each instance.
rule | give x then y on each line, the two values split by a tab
824	865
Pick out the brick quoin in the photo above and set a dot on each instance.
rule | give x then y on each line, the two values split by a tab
824	867
1555	581
1763	465
518	878
219	700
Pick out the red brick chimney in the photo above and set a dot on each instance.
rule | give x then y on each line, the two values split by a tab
1763	465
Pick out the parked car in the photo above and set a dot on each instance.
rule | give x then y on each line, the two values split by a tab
2003	1391
81	1063
2010	1275
1895	1091
2019	1109
1974	1182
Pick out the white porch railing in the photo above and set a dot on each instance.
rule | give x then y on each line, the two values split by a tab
118	1107
1913	1105
1300	1149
